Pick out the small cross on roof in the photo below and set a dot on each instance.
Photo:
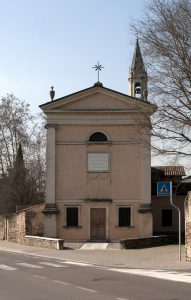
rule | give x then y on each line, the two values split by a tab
98	68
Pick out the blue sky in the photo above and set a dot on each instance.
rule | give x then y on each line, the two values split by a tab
57	43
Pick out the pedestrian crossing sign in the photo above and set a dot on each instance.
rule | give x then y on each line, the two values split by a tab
164	189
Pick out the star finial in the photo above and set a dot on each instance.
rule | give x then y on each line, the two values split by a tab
98	68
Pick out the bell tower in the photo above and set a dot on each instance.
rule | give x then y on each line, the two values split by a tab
138	76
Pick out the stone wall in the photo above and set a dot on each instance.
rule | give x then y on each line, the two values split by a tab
34	220
188	226
13	227
16	227
146	242
27	221
44	242
26	227
2	228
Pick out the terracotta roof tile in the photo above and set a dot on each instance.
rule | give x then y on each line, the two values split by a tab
172	170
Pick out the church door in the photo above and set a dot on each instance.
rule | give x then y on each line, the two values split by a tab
97	223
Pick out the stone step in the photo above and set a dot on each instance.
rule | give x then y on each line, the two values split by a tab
94	246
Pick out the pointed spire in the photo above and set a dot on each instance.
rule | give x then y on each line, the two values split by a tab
137	62
138	75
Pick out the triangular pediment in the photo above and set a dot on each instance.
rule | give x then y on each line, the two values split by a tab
95	99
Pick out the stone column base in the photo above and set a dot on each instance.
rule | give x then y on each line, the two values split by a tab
146	220
50	224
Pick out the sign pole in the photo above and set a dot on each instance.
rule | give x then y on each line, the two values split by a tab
164	189
179	219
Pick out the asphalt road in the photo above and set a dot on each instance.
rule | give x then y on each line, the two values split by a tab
25	277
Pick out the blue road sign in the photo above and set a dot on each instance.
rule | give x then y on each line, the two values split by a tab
164	189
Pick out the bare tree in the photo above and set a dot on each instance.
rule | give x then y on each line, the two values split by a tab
165	36
7	204
35	163
15	125
21	168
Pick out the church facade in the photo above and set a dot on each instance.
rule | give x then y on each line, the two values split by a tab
98	172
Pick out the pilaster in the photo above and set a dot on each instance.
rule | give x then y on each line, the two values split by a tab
50	209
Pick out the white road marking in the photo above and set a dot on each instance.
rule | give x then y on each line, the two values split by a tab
30	266
41	277
160	274
46	263
77	263
8	268
86	289
122	299
62	282
37	257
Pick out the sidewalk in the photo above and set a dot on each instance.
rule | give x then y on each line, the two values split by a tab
165	257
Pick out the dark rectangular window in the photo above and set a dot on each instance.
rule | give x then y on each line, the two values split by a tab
124	216
72	216
167	217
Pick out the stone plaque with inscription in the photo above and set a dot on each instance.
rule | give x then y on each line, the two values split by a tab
98	162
